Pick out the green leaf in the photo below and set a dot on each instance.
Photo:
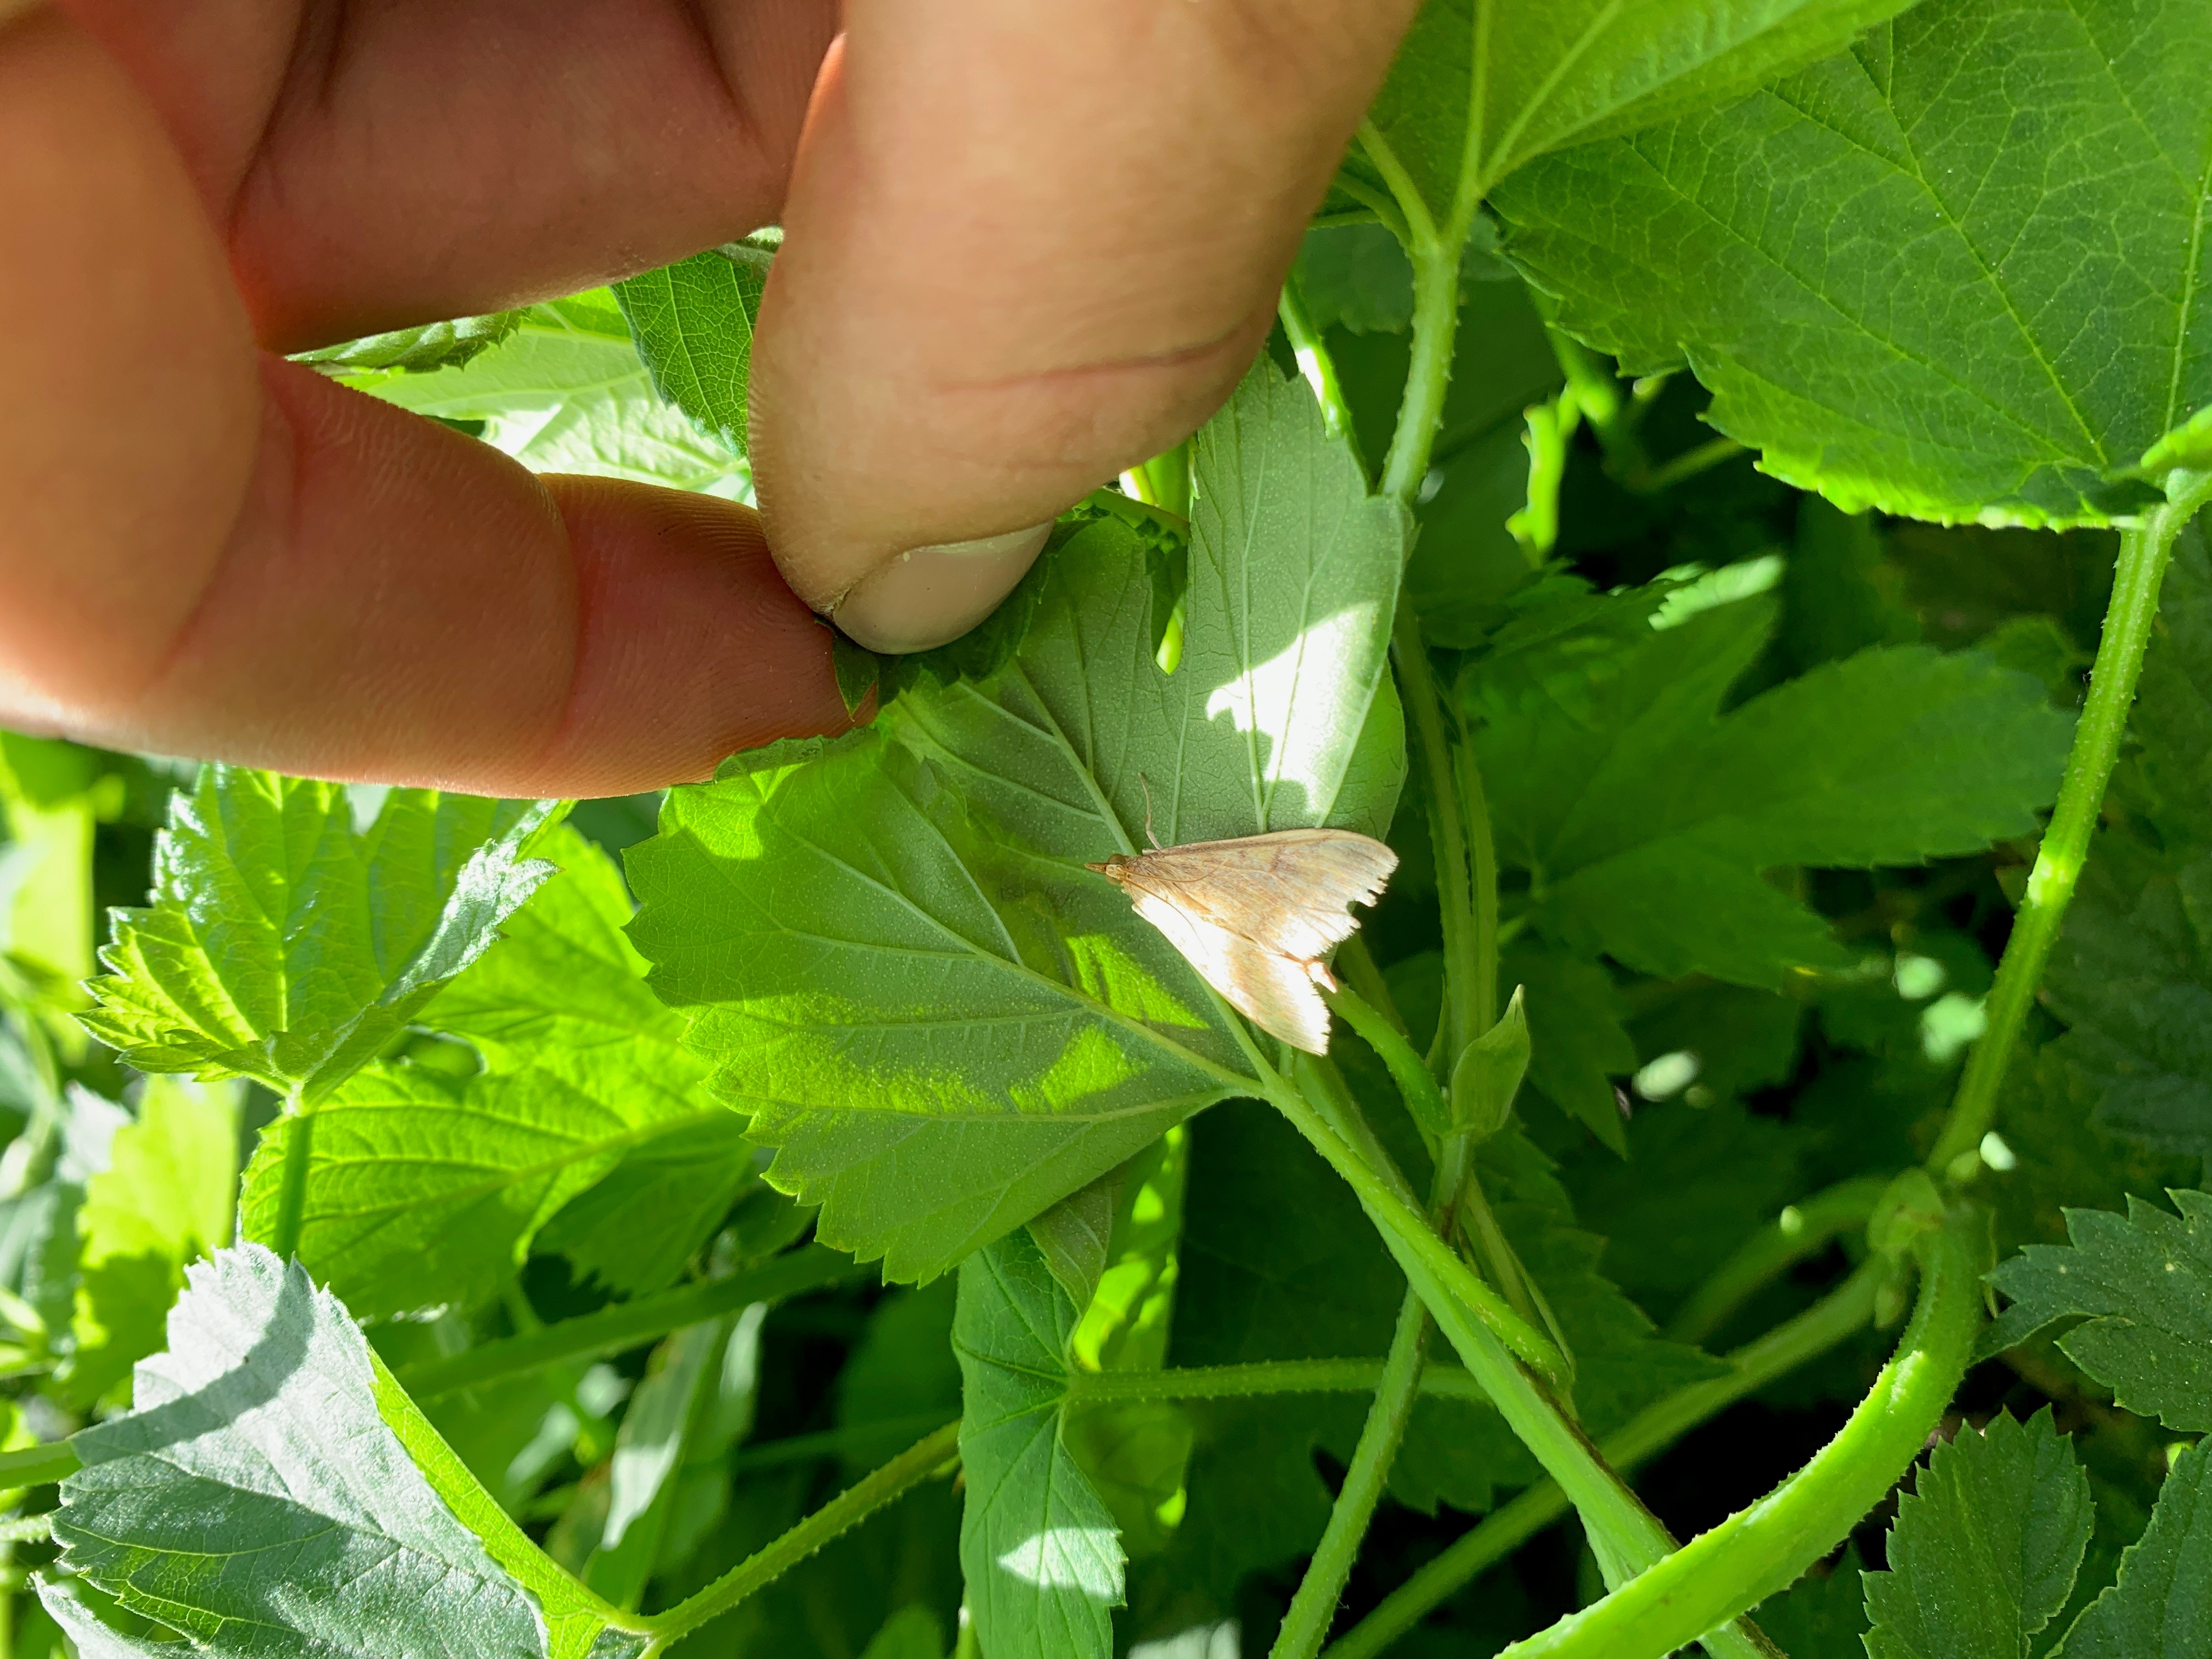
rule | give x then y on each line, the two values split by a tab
1039	1551
565	392
417	350
912	1632
1982	1555
1645	814
1921	275
1356	277
255	1502
2161	1608
693	323
165	1200
650	1451
1482	90
285	946
1073	1235
907	978
47	813
425	1189
1488	1073
2145	1282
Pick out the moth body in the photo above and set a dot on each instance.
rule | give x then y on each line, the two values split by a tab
1258	915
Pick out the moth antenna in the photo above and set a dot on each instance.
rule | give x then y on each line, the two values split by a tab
1149	836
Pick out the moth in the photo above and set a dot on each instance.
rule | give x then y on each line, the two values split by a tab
1256	915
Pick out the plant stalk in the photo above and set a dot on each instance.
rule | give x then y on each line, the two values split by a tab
1625	1536
2144	553
1837	1317
1313	1606
1319	368
1763	1549
841	1513
1804	1229
628	1324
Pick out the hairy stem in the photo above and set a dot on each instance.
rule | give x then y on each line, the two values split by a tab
2144	551
841	1514
1803	1230
1424	1100
1837	1317
628	1324
1313	1607
1764	1548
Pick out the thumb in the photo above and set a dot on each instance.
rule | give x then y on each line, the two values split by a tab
1025	247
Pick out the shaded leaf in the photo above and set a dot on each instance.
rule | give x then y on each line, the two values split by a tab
417	350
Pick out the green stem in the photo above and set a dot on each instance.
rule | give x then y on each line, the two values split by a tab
1625	1534
852	1440
1482	861
1431	746
1422	1254
1264	1377
1686	465
292	1194
1313	1607
1762	1550
1803	1230
841	1513
1318	366
1835	1319
1421	411
1416	1085
37	1466
628	1324
1356	964
2144	551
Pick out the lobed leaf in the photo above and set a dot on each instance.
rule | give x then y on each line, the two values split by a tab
905	976
1645	814
1949	274
285	946
425	1189
2144	1281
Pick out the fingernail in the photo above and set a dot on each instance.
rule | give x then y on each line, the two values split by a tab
928	596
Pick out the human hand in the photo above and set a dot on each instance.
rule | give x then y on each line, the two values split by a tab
1025	246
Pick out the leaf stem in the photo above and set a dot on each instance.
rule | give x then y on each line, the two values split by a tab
846	1510
628	1324
1264	1377
37	1466
1318	367
1837	1317
1764	1548
1803	1229
1423	1098
1625	1536
1313	1606
292	1194
2144	552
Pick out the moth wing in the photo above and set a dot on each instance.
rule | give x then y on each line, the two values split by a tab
1289	892
1272	991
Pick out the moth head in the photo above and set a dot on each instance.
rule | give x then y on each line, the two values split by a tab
1112	868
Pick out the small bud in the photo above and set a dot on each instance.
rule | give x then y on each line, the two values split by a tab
1489	1072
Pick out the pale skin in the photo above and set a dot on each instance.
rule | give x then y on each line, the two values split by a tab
1028	244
